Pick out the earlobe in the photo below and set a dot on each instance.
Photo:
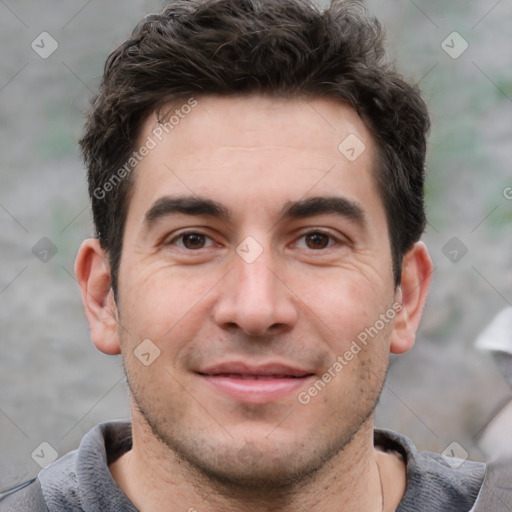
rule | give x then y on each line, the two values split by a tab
93	275
417	270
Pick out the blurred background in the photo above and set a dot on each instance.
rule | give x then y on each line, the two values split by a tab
55	386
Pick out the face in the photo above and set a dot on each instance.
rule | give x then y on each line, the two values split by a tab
255	254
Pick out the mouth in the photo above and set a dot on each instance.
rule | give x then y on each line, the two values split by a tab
255	384
245	376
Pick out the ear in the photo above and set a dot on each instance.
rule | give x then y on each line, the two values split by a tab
93	275
412	293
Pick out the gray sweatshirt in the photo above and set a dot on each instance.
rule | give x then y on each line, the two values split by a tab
81	481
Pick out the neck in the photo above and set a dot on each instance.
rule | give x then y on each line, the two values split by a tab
154	477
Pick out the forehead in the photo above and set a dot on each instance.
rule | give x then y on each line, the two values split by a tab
256	146
250	122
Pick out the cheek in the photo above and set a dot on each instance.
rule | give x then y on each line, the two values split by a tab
344	302
157	391
163	305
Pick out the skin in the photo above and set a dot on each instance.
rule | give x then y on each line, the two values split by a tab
301	302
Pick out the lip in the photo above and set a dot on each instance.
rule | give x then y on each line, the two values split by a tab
255	383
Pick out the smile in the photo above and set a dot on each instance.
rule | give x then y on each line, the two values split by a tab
263	384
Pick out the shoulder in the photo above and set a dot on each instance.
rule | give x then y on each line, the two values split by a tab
55	488
27	496
496	491
434	481
75	481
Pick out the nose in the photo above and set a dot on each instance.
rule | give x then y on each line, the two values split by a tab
256	298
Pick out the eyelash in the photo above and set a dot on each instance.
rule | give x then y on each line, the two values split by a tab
336	240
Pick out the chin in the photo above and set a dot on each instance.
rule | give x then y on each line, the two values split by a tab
251	470
253	465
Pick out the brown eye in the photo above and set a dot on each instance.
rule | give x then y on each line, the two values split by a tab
193	241
317	240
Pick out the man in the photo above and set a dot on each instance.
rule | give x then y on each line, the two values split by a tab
256	174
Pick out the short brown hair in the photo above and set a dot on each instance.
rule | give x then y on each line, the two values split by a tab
281	48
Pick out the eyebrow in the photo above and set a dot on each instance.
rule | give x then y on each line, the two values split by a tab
199	206
337	205
188	205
